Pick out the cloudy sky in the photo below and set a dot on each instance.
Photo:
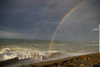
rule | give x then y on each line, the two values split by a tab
37	19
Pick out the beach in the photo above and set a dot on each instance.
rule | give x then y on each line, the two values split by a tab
88	60
62	60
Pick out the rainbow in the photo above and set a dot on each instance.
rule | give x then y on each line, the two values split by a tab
61	22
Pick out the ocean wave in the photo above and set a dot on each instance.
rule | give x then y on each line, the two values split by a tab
8	53
24	53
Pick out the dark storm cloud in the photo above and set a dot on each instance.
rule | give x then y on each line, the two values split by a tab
78	26
35	19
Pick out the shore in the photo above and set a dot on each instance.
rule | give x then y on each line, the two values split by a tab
88	60
17	63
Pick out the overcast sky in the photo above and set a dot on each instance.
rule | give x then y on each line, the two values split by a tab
37	19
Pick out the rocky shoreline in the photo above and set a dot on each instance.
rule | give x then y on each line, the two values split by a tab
89	60
9	61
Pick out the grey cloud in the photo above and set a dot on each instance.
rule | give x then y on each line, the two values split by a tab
39	16
78	26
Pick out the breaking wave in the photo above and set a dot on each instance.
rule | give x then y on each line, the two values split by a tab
24	53
11	52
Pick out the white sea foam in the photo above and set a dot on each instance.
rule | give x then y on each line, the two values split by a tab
7	53
24	53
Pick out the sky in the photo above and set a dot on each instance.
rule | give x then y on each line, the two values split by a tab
38	19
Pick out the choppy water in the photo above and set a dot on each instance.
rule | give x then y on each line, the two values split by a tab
16	47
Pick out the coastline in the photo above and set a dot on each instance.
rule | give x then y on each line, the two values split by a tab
88	60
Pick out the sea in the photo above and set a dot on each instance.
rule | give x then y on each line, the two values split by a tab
10	48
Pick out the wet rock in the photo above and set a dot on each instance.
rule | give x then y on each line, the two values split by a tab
96	65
